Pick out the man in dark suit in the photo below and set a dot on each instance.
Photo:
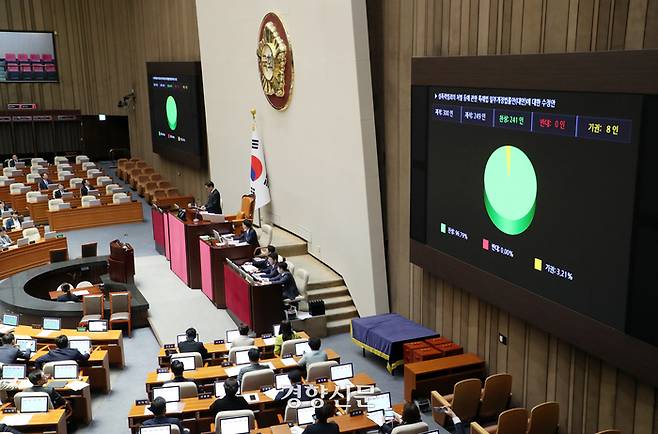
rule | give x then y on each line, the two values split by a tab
230	401
248	234
38	380
177	368
214	203
14	222
5	239
7	428
13	161
159	409
190	345
9	353
254	358
61	353
57	194
84	190
3	206
272	269
67	296
297	390
286	279
44	182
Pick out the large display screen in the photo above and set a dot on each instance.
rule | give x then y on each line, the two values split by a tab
27	57
177	112
535	187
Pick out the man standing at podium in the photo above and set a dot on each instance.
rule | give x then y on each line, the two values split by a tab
214	204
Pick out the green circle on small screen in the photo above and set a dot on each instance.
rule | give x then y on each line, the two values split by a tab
172	112
510	189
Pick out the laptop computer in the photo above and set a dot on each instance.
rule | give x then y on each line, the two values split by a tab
341	374
10	319
65	371
301	348
305	415
234	425
168	393
27	344
281	381
11	372
183	338
231	334
97	325
219	389
34	404
82	345
242	357
155	429
189	364
52	324
380	401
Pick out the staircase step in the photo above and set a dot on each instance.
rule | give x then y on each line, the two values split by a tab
341	313
327	292
320	276
338	326
336	302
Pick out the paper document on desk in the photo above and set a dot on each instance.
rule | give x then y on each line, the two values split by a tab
377	417
24	384
76	385
17	419
232	371
80	292
296	429
172	407
343	384
289	361
269	341
249	268
44	333
164	377
272	393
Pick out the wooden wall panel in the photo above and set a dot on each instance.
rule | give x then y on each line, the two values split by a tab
102	49
592	395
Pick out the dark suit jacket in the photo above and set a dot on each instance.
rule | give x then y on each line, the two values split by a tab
57	194
84	191
9	354
229	403
193	347
322	428
43	184
250	237
271	271
164	420
12	163
60	355
7	428
214	204
289	285
10	224
55	397
68	297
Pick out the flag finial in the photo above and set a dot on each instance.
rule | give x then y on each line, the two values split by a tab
253	118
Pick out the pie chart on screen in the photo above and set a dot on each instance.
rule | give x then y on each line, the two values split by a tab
510	189
172	112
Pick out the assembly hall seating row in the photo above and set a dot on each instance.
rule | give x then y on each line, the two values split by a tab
148	183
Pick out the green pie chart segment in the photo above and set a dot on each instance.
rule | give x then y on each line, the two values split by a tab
172	112
510	189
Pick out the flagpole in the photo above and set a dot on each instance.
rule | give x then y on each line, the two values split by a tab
253	128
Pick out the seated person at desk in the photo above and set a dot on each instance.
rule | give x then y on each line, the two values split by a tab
286	279
5	239
410	414
9	352
4	206
214	203
7	429
12	163
260	260
314	356
44	182
322	424
84	190
57	194
297	390
159	409
254	358
286	333
248	234
243	340
38	380
14	222
177	368
61	353
271	269
68	295
190	345
231	401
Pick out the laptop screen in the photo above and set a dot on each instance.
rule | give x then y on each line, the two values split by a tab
14	371
282	381
82	345
381	401
188	363
27	344
219	389
65	372
276	328
241	357
10	319
231	334
169	393
342	372
97	325
301	348
155	429
34	404
183	338
234	425
52	324
305	415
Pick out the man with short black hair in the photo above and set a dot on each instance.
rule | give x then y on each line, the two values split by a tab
190	345
44	182
57	194
177	368
5	239
84	190
271	270
68	295
38	380
159	409
285	278
214	203
254	357
61	353
313	356
9	353
231	401
13	161
248	234
243	340
14	222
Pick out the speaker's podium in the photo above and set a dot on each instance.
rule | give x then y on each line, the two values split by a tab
121	262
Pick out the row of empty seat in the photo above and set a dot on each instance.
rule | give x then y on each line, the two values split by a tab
148	183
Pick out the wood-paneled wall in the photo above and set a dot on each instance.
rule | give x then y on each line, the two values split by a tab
592	394
102	49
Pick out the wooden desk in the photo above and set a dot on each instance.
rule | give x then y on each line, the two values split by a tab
6	197
22	258
39	211
52	421
111	340
78	218
96	369
259	305
440	374
213	257
168	202
15	235
92	290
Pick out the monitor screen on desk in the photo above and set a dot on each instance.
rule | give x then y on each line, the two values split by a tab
282	381
168	393
381	401
10	319
183	338
301	348
219	389
342	372
276	328
14	371
65	372
82	345
155	429
27	344
189	364
34	404
234	425
231	334
305	415
242	357
97	325
52	324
